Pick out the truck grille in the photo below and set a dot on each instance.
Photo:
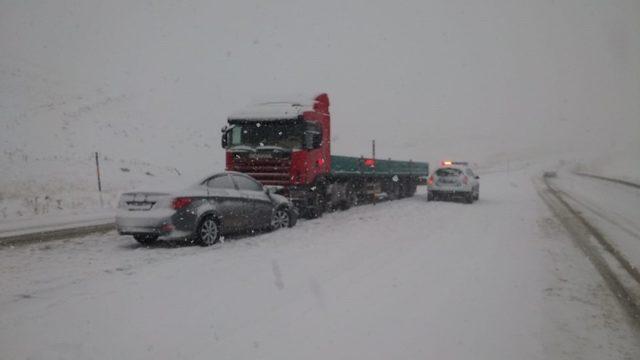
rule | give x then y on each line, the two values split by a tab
267	171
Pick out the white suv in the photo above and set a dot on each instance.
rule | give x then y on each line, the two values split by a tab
453	179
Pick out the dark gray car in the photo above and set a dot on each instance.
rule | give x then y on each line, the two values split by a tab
222	203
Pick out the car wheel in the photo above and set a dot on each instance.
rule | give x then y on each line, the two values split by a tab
469	197
145	239
281	218
430	196
208	232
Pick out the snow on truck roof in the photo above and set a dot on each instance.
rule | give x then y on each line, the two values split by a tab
271	111
278	110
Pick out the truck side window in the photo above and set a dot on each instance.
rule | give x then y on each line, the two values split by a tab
236	136
313	136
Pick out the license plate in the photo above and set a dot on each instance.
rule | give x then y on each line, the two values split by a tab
449	183
139	206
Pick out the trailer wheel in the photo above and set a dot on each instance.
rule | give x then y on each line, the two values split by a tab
395	192
412	189
351	198
405	190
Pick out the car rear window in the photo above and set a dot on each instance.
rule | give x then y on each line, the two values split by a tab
221	182
448	172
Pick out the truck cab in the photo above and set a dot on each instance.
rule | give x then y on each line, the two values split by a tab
280	143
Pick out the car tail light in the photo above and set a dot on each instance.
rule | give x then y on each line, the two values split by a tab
465	180
430	181
179	203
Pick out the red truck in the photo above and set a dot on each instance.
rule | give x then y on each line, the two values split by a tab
287	144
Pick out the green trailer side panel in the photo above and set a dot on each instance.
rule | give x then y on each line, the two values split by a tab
354	165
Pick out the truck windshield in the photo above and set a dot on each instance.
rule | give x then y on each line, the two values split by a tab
288	135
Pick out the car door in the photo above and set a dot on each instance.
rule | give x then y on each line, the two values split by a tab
260	202
230	203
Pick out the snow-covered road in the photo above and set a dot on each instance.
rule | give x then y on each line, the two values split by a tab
408	279
612	208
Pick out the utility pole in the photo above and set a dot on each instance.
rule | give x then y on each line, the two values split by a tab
373	156
373	149
99	182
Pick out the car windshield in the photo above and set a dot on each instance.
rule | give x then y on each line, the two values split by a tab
288	135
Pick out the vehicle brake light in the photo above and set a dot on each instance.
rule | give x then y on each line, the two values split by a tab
430	181
179	203
447	163
370	162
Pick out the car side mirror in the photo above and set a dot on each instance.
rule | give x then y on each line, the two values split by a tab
267	191
477	177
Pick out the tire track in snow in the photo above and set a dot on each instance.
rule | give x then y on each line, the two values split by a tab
581	231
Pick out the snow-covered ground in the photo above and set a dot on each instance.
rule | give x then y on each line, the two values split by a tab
498	279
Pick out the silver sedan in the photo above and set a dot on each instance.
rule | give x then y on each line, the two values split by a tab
222	203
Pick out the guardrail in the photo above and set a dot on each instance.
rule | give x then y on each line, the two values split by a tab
55	232
614	180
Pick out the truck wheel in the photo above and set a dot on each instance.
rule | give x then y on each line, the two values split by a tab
316	208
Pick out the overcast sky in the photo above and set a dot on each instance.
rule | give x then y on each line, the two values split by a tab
427	79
